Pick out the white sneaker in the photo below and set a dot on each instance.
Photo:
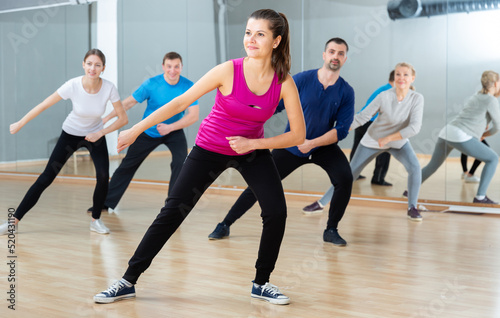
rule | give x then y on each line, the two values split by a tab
98	226
471	179
5	230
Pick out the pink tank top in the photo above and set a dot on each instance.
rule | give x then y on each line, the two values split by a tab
241	113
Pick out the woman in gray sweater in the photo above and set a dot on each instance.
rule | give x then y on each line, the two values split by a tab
465	131
400	112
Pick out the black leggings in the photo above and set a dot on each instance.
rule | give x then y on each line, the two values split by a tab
199	171
463	160
330	158
65	147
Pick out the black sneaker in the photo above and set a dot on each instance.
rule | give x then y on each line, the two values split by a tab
382	183
486	200
313	208
414	215
405	194
332	236
221	231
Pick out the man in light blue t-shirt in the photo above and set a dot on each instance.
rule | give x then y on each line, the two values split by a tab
382	161
157	91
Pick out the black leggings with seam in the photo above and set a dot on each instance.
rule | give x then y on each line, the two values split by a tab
65	147
199	171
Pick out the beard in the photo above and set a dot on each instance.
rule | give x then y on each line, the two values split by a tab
334	67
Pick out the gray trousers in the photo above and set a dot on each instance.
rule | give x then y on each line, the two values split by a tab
472	147
405	155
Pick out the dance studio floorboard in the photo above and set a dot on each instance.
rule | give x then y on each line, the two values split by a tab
446	266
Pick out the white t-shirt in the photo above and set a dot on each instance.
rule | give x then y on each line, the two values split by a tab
454	134
85	118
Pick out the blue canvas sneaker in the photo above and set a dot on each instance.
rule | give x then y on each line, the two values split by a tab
122	289
270	293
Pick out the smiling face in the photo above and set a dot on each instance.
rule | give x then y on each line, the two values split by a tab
335	56
93	66
172	70
258	40
403	77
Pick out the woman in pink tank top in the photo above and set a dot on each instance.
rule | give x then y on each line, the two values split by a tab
232	135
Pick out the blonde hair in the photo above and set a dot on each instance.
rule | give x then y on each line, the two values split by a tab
488	79
408	65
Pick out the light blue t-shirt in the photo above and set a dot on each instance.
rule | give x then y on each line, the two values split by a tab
375	94
158	92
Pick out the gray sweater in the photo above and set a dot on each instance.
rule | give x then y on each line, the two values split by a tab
404	117
478	112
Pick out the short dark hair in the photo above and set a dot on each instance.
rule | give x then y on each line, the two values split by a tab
97	53
391	76
172	56
338	41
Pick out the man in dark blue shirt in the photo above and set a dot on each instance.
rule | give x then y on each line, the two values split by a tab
328	105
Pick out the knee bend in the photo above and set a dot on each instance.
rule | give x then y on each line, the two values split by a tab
344	179
493	159
276	217
44	181
414	168
102	175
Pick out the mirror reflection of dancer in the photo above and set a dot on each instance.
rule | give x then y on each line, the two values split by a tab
400	112
158	91
328	104
232	135
382	160
82	128
466	130
468	175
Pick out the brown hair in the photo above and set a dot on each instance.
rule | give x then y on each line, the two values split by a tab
391	76
97	53
488	79
172	56
278	24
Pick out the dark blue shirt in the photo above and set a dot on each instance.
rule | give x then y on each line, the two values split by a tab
324	109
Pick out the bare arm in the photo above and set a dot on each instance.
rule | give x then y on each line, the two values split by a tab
37	110
210	81
190	118
120	122
294	137
127	103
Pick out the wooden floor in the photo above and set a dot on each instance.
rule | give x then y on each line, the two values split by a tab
446	266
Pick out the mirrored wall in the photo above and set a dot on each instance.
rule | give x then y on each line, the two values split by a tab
448	51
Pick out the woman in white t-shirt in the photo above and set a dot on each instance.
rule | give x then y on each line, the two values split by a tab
83	127
464	133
